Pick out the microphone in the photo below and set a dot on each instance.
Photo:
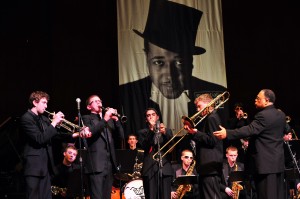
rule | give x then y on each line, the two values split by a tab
78	100
157	126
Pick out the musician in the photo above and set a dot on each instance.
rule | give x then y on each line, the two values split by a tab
101	161
209	148
230	165
68	180
265	145
240	119
187	159
138	154
38	131
156	172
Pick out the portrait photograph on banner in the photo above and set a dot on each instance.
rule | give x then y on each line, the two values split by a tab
170	52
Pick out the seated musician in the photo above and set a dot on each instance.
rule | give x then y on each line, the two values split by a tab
188	167
67	183
230	165
132	141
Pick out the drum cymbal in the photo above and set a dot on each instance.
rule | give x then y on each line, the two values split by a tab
123	176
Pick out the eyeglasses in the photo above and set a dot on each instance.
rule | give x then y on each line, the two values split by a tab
188	157
258	98
238	108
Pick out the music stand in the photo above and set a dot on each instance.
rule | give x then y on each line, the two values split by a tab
126	158
237	176
184	179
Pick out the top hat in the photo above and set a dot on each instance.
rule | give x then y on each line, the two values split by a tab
172	26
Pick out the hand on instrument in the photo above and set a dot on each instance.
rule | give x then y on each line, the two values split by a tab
189	128
173	195
85	132
162	128
229	191
57	118
111	114
222	134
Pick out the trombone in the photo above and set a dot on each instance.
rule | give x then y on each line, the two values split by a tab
71	127
194	120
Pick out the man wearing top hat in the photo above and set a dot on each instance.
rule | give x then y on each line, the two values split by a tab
169	45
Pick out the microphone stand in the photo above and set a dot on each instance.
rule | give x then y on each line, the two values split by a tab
80	155
293	157
294	160
159	160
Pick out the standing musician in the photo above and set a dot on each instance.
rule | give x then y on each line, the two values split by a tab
101	158
265	145
187	168
209	148
240	119
38	131
157	172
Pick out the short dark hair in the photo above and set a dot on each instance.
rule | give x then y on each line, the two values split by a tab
270	95
238	104
148	109
37	96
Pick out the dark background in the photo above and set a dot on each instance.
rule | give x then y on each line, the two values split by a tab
68	48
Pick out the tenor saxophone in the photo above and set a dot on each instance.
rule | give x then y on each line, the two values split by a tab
236	187
182	189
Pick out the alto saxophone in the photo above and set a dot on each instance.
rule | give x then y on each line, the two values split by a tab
236	187
182	189
58	190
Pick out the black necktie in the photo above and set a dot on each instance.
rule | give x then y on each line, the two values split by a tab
41	125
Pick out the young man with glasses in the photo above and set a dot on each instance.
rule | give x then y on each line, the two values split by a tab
265	145
157	172
101	161
187	160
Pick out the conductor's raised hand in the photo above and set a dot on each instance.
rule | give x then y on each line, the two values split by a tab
221	134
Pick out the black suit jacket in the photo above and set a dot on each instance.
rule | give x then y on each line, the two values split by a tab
226	174
37	144
209	148
147	141
99	144
135	99
266	142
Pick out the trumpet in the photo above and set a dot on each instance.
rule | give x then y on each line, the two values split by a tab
123	118
194	120
243	116
71	127
288	119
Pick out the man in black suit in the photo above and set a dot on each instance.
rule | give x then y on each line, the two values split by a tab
231	165
169	45
265	145
157	172
38	131
101	161
209	149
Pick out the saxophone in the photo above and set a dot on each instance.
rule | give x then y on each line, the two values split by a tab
236	187
183	188
58	190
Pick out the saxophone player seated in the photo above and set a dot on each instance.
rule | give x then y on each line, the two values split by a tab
232	189
187	167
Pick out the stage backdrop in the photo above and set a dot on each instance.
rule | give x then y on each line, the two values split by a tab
209	66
